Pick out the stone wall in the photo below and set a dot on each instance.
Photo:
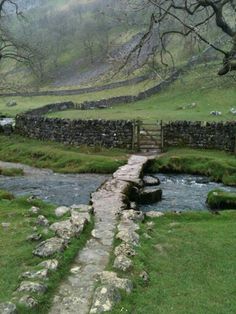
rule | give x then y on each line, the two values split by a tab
212	135
111	133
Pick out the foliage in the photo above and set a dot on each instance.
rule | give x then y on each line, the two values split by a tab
218	199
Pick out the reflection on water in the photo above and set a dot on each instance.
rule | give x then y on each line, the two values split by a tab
184	192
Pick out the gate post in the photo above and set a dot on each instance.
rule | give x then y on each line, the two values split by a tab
139	122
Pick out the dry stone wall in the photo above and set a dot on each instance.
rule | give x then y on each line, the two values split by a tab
212	135
105	133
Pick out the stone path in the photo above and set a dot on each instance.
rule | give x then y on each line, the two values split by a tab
76	293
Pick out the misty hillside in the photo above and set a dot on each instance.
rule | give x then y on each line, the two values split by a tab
78	42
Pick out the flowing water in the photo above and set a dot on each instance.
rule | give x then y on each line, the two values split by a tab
184	192
60	189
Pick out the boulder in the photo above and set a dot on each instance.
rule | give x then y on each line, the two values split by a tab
51	264
61	211
34	237
134	215
80	218
110	278
31	286
8	308
50	247
28	301
124	249
144	276
150	181
104	299
11	103
82	208
123	263
34	210
150	195
129	237
40	274
42	221
64	229
133	205
154	214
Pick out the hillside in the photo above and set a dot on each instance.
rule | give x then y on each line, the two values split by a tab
90	41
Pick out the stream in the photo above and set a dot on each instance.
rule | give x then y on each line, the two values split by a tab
59	189
183	192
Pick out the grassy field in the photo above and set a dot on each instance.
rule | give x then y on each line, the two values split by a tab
16	252
219	166
200	86
26	103
190	259
59	157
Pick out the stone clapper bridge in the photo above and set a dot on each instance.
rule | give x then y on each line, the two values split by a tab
89	288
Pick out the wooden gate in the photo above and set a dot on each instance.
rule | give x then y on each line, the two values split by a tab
149	136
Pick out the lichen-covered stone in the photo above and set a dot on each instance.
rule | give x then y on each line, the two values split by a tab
63	229
40	274
33	287
122	262
28	301
34	237
154	214
34	210
51	264
61	211
8	308
42	221
104	299
82	208
110	278
130	237
50	247
136	216
125	249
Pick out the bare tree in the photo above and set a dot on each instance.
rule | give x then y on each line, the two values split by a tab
10	48
191	17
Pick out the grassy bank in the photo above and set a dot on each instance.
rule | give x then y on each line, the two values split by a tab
218	199
59	157
219	166
16	252
190	259
200	86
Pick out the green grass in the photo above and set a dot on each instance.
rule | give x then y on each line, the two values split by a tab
11	172
219	166
218	199
16	252
27	103
200	85
190	260
59	157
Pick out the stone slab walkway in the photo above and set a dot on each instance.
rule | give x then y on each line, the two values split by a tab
76	293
